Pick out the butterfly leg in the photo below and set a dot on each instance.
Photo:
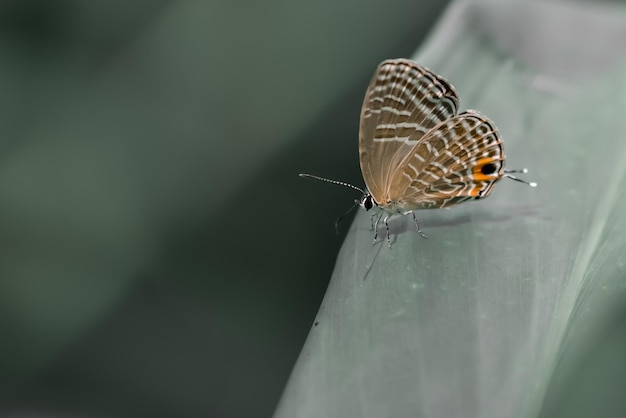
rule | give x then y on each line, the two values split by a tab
418	227
376	227
373	226
387	227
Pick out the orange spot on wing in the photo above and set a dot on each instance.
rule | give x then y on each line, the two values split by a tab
478	174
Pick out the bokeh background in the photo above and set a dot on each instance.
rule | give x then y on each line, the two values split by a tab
159	255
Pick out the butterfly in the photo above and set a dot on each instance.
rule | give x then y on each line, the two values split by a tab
416	151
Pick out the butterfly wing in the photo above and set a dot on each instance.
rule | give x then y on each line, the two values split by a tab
459	159
403	101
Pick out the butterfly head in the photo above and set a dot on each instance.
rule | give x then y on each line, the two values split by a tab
367	201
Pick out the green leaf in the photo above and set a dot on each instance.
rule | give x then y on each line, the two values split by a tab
500	311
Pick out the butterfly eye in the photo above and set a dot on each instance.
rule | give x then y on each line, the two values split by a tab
368	202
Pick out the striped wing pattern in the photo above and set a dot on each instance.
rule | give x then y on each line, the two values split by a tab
415	151
403	102
459	159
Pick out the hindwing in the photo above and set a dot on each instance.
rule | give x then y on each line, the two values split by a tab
459	159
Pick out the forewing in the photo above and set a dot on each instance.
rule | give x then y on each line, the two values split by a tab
403	101
460	159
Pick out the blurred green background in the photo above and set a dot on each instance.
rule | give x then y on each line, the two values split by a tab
159	255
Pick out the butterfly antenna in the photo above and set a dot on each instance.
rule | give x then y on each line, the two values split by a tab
340	183
339	219
523	170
